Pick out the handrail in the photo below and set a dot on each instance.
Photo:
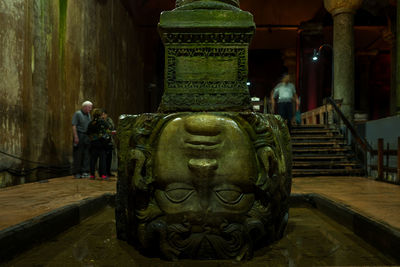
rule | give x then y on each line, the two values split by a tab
363	143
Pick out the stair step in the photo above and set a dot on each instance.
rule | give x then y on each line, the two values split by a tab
315	131
321	149
317	156
325	172
316	137
311	144
328	164
309	126
321	157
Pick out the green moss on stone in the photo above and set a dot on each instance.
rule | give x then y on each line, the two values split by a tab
62	26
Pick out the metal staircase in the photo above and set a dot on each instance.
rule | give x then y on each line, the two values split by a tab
320	150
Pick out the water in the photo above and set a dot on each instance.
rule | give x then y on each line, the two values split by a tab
312	239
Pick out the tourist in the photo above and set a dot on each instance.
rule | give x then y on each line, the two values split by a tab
99	136
286	94
80	122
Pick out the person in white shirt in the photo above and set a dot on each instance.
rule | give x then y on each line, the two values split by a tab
285	93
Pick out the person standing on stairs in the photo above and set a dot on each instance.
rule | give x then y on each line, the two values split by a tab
285	93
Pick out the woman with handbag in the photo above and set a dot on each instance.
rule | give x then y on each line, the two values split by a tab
99	135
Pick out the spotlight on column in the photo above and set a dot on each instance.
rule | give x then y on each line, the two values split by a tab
315	55
248	83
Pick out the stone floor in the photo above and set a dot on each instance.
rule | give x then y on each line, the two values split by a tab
22	202
380	201
377	200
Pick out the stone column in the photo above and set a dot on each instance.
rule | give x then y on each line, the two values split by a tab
388	35
398	59
343	51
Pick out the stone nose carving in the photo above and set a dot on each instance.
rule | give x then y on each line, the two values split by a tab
204	170
204	133
203	167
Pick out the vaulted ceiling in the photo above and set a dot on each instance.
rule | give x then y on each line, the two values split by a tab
278	21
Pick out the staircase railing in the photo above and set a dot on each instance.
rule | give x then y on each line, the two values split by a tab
361	141
361	146
329	114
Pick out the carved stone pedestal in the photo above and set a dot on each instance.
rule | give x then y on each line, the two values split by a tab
206	47
205	178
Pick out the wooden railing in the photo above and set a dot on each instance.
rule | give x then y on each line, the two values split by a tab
384	169
319	115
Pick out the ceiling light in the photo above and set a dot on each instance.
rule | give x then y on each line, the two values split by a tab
315	55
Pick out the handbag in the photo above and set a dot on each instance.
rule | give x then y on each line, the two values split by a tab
298	117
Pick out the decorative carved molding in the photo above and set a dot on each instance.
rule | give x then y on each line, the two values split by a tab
342	6
201	102
211	38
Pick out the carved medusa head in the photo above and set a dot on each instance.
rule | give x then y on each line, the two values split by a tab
204	185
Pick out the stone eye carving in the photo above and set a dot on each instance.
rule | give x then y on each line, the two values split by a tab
229	196
178	193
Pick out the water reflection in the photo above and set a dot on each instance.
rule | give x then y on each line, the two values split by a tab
311	239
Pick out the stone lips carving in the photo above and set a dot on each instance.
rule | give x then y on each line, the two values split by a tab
203	185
